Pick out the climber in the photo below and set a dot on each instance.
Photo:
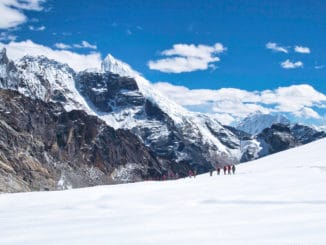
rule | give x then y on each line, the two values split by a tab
190	174
233	169
195	173
211	172
218	170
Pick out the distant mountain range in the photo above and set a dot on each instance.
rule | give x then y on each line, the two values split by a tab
73	129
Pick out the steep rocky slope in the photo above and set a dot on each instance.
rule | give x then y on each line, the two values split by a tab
44	147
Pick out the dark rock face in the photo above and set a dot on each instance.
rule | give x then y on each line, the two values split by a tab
109	91
306	134
8	76
43	147
278	138
281	137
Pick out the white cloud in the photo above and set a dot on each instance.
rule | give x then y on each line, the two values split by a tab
11	11
62	46
229	104
276	48
25	4
307	113
88	45
287	64
76	61
293	98
187	58
83	44
302	50
34	28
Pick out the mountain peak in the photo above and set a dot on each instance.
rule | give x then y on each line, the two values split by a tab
111	64
3	56
254	123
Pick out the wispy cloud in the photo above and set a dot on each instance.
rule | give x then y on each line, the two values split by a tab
287	64
229	104
6	36
128	32
34	28
187	58
319	67
62	46
83	44
276	48
302	50
12	11
76	61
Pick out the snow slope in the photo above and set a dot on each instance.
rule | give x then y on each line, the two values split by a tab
279	199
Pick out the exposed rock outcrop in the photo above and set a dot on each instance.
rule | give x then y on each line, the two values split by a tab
43	147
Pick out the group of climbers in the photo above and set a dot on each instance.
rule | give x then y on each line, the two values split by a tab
193	173
226	169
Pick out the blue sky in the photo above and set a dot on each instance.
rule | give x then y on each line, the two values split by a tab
141	32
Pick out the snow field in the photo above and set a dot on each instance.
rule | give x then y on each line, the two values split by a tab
279	199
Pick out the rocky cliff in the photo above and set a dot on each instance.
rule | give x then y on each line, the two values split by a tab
44	147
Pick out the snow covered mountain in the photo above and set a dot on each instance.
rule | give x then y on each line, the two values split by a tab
171	131
257	122
280	137
127	101
278	199
123	99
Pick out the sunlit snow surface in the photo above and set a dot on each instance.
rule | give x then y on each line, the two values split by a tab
279	199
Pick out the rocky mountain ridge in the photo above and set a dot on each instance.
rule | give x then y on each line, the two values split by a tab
44	147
